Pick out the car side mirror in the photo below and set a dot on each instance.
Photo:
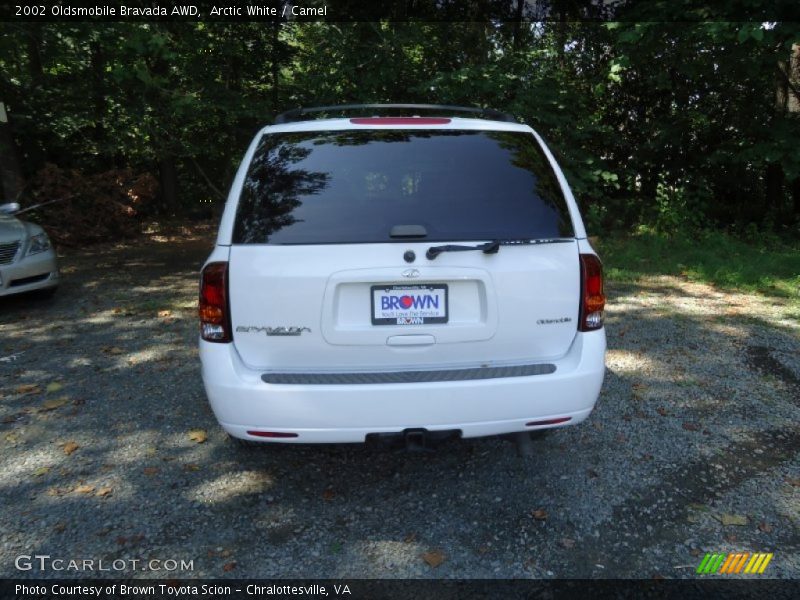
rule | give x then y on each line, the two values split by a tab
9	208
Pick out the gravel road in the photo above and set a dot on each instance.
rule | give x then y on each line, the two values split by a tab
109	450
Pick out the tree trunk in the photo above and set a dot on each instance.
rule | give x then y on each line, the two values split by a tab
275	67
561	38
97	64
10	172
793	101
169	184
34	42
773	180
796	199
518	13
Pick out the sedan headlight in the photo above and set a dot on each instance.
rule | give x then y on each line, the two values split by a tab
39	243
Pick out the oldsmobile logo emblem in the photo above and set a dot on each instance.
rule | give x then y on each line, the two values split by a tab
410	273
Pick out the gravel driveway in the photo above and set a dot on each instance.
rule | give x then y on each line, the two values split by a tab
111	452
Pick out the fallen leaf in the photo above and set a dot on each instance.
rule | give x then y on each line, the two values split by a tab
59	527
41	471
794	482
70	447
765	527
662	411
104	491
695	552
113	350
150	471
539	514
567	542
84	489
328	494
28	388
198	435
11	437
54	403
53	387
434	558
729	519
191	467
165	313
228	567
410	538
731	538
688	426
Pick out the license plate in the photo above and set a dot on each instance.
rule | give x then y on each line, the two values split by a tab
409	304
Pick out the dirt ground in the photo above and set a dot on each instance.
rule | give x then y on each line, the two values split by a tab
111	452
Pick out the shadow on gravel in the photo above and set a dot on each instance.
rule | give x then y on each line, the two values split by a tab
697	407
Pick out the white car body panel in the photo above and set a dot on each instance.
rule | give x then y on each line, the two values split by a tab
20	271
299	286
242	402
517	307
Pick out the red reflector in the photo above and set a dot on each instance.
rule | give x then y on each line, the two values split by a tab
272	434
548	422
400	121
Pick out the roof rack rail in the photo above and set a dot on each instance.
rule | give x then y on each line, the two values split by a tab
297	113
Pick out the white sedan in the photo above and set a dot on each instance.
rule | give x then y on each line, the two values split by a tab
27	258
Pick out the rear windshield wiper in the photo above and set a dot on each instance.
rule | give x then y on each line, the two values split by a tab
487	248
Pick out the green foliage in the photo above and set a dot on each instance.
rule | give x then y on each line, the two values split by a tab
673	125
747	261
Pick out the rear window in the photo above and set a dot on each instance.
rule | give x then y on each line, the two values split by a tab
328	187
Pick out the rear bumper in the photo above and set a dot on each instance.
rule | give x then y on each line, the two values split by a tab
30	273
243	402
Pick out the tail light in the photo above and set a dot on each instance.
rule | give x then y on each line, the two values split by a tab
215	322
593	300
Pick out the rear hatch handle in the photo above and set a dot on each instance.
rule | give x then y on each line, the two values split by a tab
487	248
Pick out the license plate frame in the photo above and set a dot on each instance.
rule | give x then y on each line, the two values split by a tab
415	316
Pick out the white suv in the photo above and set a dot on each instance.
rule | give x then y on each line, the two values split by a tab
383	275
